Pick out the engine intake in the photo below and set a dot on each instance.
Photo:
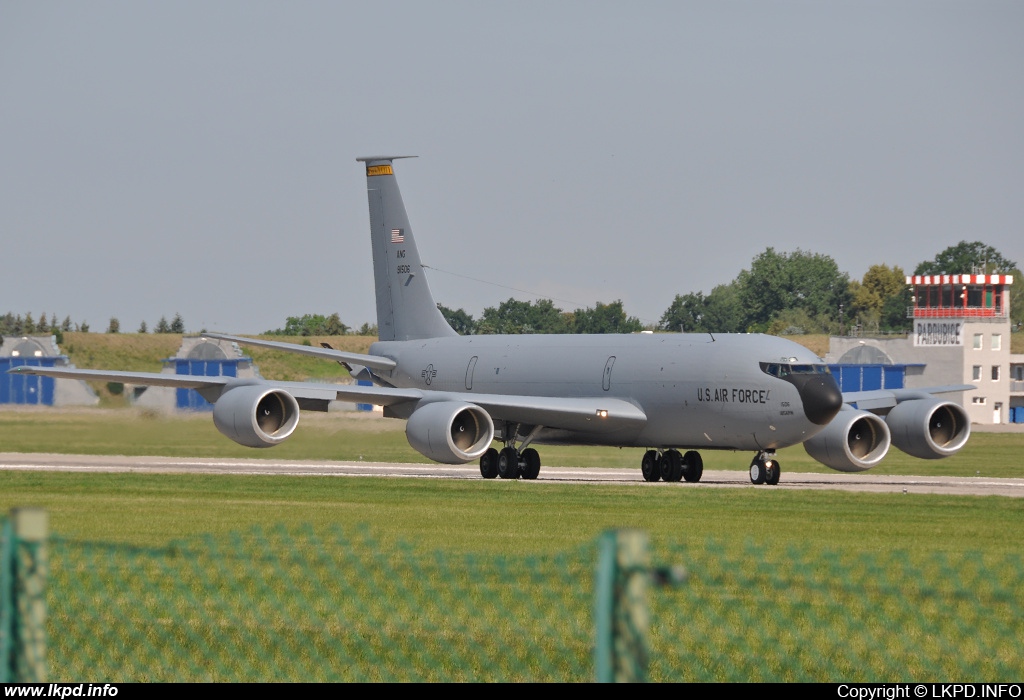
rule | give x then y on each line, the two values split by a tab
929	429
451	432
853	442
256	416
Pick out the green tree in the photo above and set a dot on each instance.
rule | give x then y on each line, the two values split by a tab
177	325
718	312
334	326
880	300
162	326
964	257
517	317
143	328
723	313
10	324
685	314
114	326
605	318
311	324
459	320
777	282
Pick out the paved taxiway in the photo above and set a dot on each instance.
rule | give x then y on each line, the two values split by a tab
865	482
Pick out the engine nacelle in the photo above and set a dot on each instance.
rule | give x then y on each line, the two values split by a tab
853	442
255	415
451	432
929	429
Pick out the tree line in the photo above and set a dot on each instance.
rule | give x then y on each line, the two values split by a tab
16	324
780	294
518	317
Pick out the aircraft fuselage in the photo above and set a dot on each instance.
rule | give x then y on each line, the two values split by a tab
697	390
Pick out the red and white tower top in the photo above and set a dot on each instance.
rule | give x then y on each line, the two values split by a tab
960	296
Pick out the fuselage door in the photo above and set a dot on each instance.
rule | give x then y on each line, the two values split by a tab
606	381
469	373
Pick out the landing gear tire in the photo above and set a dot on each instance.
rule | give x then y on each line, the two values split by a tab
758	471
508	463
531	463
672	466
650	466
773	470
693	466
489	464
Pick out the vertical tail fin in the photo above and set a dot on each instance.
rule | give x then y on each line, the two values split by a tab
405	307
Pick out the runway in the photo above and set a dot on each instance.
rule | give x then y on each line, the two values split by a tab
862	482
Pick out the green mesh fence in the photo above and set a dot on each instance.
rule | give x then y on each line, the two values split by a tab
302	606
791	614
305	605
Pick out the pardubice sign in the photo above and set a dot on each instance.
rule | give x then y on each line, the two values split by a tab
938	333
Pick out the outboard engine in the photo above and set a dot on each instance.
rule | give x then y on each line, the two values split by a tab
929	428
256	415
853	442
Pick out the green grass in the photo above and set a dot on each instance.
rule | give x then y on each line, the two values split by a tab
203	577
214	579
508	517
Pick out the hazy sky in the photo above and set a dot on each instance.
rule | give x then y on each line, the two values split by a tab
199	157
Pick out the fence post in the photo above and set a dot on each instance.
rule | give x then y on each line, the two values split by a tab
23	569
621	618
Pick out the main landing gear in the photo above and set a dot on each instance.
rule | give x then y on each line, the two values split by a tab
765	469
512	462
672	466
669	465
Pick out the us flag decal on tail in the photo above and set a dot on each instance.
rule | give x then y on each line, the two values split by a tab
397	235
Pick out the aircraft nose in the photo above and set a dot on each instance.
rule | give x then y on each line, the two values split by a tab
821	397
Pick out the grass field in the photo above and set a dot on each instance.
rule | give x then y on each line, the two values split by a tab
840	586
507	517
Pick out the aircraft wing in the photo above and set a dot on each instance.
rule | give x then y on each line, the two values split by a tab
181	381
883	399
586	414
311	395
566	413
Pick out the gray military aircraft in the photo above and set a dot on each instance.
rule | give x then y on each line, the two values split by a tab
674	394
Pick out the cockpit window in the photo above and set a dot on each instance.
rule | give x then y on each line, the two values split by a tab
782	371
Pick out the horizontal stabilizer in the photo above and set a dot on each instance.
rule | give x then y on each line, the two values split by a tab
371	361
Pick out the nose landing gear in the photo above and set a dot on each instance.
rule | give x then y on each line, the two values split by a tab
765	469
